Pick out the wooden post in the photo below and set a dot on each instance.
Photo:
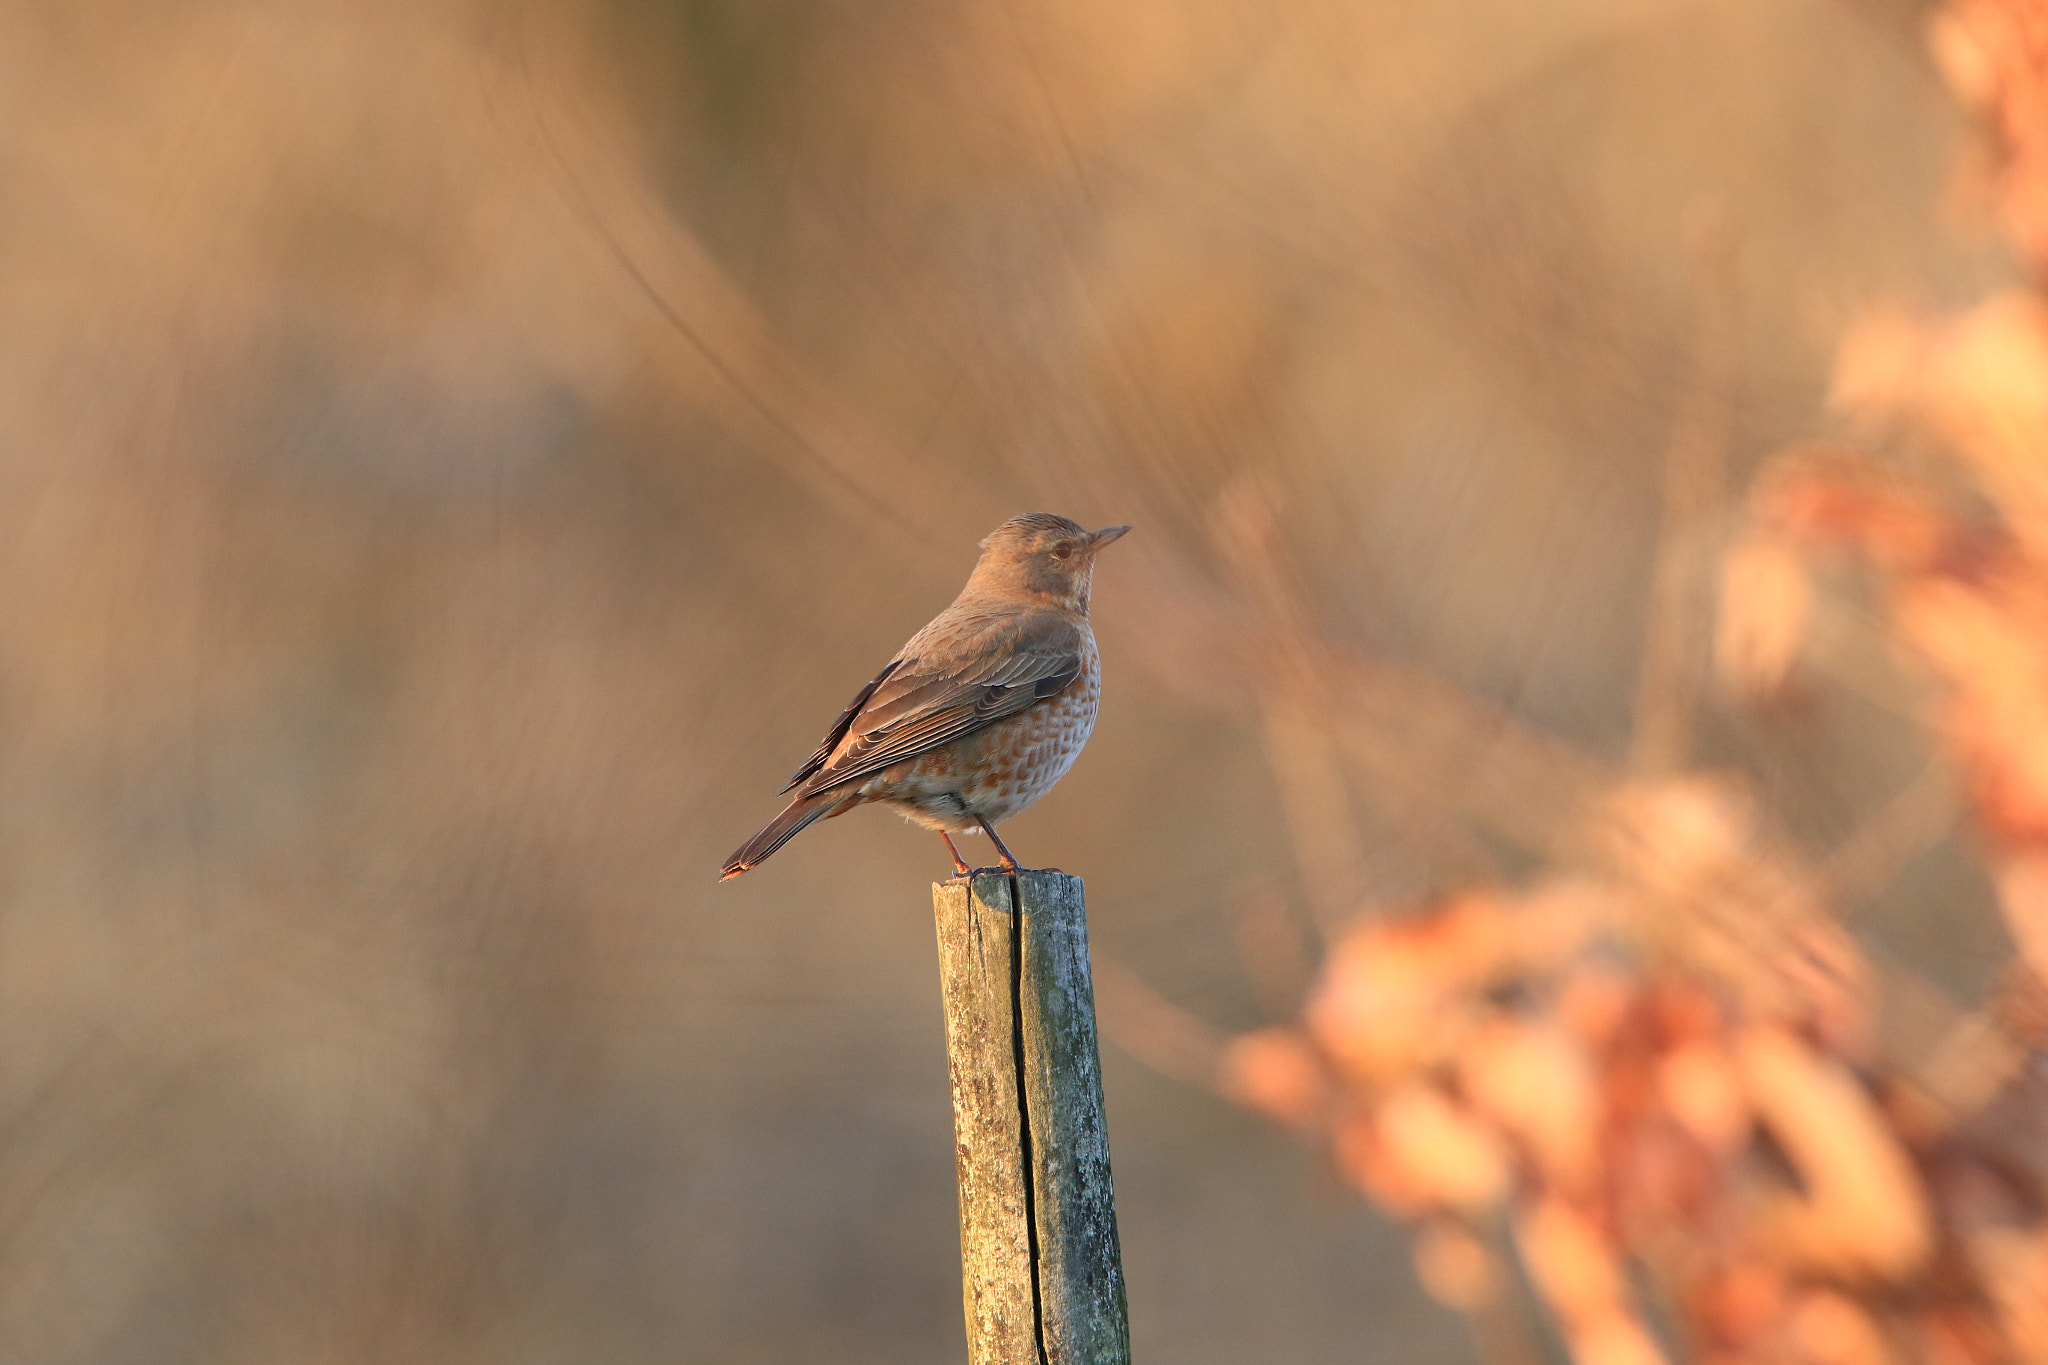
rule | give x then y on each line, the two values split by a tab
1041	1274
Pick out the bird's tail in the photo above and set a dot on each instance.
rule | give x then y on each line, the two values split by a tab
781	830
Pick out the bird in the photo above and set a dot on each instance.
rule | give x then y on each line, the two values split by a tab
980	713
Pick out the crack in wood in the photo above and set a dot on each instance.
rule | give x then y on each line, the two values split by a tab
1029	1160
1041	1275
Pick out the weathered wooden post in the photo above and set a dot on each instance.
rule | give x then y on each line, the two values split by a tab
1041	1274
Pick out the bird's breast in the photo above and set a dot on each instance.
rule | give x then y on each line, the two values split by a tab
1000	770
1022	757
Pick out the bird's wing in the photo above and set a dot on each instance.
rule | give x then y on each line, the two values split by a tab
922	701
839	727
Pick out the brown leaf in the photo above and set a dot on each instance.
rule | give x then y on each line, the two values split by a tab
1276	1072
1863	1210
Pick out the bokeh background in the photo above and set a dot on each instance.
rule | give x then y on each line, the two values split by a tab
455	458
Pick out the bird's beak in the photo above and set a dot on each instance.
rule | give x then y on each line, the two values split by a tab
1098	539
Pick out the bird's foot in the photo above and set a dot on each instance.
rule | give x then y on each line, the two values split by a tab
960	867
1007	858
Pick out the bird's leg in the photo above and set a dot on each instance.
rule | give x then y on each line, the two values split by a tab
959	863
1009	859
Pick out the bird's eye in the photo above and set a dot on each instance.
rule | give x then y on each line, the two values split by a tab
1063	550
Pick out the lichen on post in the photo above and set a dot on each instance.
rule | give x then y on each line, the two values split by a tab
1041	1271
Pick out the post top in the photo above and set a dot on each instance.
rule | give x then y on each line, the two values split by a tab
987	879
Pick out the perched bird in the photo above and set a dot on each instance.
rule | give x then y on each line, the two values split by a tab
980	713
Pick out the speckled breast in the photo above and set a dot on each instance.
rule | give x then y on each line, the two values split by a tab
1023	756
998	772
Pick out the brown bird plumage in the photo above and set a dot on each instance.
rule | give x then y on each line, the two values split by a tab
981	712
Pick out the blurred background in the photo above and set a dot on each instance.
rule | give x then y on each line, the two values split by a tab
457	456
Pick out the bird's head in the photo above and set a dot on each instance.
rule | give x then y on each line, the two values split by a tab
1041	555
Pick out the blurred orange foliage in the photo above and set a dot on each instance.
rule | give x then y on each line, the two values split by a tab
1645	1084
